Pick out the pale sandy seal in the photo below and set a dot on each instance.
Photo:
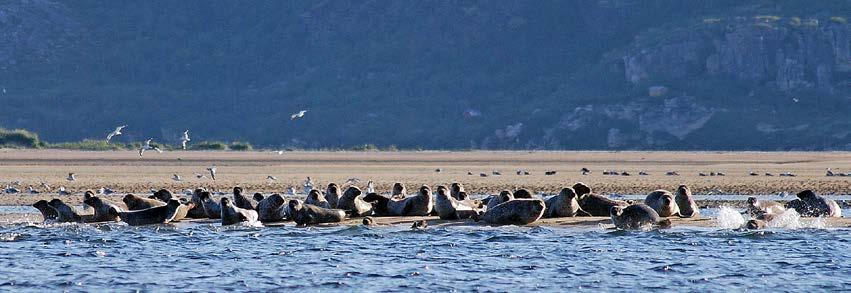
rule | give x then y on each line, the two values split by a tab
662	201
449	208
231	214
65	212
418	205
399	191
242	201
332	195
271	208
315	198
502	197
149	216
812	205
456	190
637	217
101	208
47	212
758	209
135	203
685	202
308	214
564	205
353	203
212	208
515	212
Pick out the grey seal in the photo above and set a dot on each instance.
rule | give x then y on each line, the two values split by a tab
515	212
315	198
353	203
149	216
332	195
135	203
308	214
564	205
662	201
101	208
66	213
242	201
685	202
449	208
272	208
811	205
637	217
47	212
231	214
210	206
760	208
502	197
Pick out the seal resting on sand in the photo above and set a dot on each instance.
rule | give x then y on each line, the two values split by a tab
685	202
307	214
66	213
418	205
231	214
522	193
456	190
449	208
564	205
271	208
332	195
47	212
662	201
315	198
242	201
101	208
595	204
135	203
809	204
149	216
399	191
197	211
637	217
212	208
353	204
514	212
502	197
163	195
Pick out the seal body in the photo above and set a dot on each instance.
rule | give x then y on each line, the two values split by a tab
101	208
637	217
598	205
135	203
811	205
149	216
47	212
65	212
332	195
353	204
315	198
271	208
515	212
242	201
522	193
163	195
399	191
456	190
502	197
212	208
756	224
449	208
231	214
760	208
197	211
418	205
685	203
563	205
182	211
662	201
307	214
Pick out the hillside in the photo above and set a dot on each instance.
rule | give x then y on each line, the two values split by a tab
617	74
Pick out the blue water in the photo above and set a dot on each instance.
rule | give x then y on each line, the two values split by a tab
195	256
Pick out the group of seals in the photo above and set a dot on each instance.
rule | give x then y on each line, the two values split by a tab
564	205
449	207
418	205
667	205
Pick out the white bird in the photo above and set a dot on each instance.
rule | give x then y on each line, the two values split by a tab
45	186
115	132
370	187
71	177
148	146
4	90
300	114
352	181
291	190
308	185
199	175
62	191
795	100
280	152
176	177
184	139
212	171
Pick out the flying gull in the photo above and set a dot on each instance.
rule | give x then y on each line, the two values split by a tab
115	132
184	139
148	146
300	114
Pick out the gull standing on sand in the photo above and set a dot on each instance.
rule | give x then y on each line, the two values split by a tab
115	132
271	179
148	146
370	187
176	177
212	171
300	114
199	175
352	181
184	139
291	190
71	177
308	185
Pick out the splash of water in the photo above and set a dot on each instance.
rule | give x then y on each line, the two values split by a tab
729	218
790	219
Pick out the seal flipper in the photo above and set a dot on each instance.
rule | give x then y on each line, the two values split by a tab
582	213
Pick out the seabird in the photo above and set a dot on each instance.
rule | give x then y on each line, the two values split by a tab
642	173
300	114
672	173
352	181
271	178
62	191
115	132
71	177
370	187
830	173
308	185
176	177
585	171
291	190
212	171
184	139
496	173
148	146
199	175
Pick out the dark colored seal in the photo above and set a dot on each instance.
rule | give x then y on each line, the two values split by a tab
637	217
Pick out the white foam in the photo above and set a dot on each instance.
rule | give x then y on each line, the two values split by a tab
729	218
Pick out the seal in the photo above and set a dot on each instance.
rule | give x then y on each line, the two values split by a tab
515	212
502	197
308	214
163	195
582	189
182	211
419	225
399	191
258	196
65	212
685	202
368	221
271	208
564	205
315	198
449	208
101	208
242	201
332	195
522	193
353	204
197	211
88	194
149	216
418	205
637	217
456	190
662	201
231	214
135	203
212	208
47	212
812	205
760	208
755	224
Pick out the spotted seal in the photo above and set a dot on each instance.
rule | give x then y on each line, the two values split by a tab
811	205
514	212
135	203
685	202
399	191
449	208
418	205
662	201
212	208
637	217
564	205
65	212
332	195
47	212
760	208
353	204
232	214
149	216
242	201
271	208
456	190
308	214
101	208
